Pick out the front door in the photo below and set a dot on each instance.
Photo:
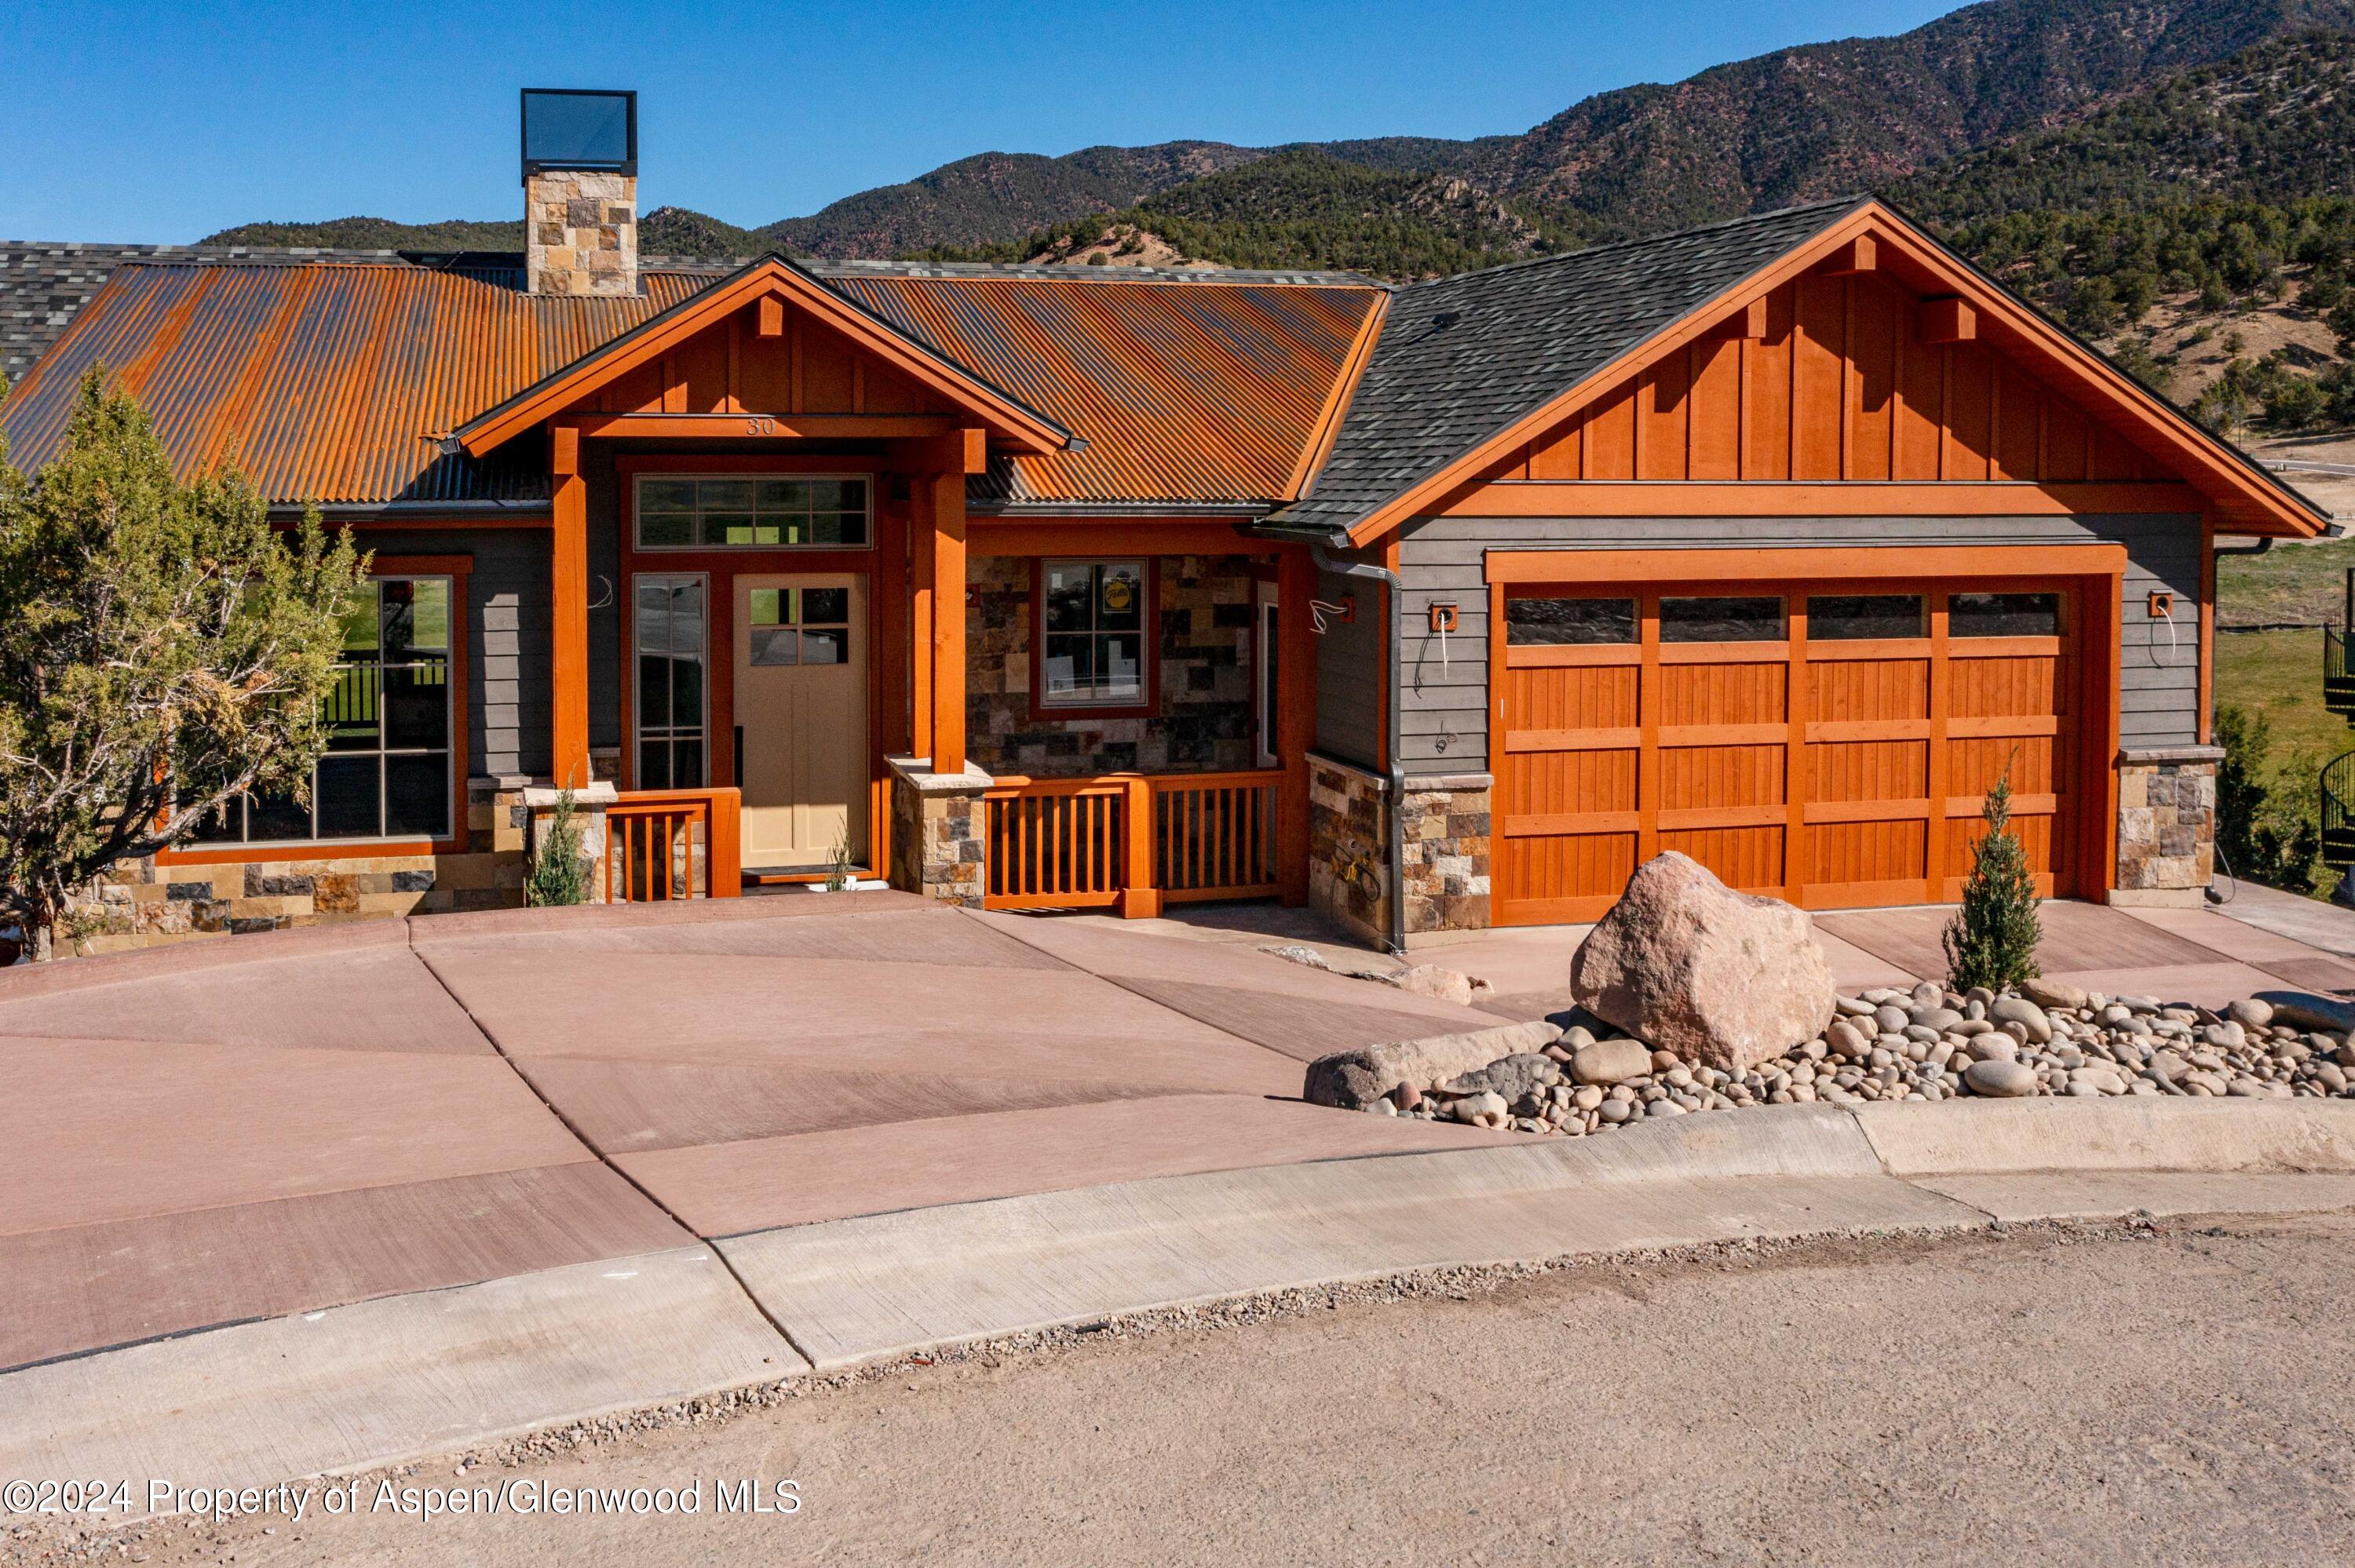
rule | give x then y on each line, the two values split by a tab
800	720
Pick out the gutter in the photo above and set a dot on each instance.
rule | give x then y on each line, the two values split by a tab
424	510
1395	938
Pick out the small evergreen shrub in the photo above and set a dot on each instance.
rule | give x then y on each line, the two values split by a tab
1991	940
559	873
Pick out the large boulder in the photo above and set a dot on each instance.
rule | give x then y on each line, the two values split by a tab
1716	977
1355	1079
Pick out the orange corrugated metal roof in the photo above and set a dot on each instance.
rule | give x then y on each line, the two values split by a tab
334	381
1184	391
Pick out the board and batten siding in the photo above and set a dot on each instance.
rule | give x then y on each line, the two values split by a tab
1443	699
508	700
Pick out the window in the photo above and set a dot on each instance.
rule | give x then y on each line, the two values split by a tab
678	512
669	622
1537	622
2003	614
800	626
1721	620
1093	618
387	773
1266	652
1852	617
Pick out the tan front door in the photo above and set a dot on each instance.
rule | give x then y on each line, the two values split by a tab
801	717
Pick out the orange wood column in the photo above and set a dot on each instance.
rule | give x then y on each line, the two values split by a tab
920	616
948	623
1295	719
568	612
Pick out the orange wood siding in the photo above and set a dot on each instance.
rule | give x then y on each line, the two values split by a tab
1832	773
1838	389
732	367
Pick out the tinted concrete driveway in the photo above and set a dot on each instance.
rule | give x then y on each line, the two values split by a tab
211	1133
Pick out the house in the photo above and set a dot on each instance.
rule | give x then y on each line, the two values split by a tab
1775	542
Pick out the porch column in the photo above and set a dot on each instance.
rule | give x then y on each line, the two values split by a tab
1296	718
967	454
568	731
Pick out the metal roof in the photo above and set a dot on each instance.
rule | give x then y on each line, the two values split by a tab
333	378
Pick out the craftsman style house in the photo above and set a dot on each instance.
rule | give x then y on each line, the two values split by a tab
1775	542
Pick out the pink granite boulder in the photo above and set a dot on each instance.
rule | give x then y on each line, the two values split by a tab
1717	977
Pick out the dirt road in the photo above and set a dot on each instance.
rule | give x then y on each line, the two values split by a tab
2049	1395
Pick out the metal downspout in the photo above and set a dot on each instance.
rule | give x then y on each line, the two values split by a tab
1393	653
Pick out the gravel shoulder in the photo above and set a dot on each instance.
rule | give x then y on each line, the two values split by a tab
2167	1391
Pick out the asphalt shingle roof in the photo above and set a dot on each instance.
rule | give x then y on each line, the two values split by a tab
1520	336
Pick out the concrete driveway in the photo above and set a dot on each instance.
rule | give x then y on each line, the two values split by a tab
209	1134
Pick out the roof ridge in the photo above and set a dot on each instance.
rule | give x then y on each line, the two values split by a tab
1846	203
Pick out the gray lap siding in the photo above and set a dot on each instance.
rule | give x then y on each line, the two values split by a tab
1444	705
1349	672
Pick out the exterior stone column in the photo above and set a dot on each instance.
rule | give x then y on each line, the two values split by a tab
1349	879
939	831
1444	841
2166	824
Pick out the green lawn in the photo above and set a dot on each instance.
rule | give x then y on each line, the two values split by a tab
2288	583
2279	675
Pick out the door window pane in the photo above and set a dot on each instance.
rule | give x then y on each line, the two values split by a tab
1847	617
1729	619
1093	638
1538	622
752	513
2003	614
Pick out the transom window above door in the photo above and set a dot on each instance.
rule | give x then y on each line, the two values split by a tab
754	512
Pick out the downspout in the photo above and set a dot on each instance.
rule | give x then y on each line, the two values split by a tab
1395	940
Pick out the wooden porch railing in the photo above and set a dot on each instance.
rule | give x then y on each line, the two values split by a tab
663	844
1130	841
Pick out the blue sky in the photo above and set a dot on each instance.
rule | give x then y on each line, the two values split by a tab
147	122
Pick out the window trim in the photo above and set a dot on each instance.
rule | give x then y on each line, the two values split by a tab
1267	694
635	736
1149	675
637	534
458	570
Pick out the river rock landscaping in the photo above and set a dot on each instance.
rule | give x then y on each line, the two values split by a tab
1928	1044
1690	995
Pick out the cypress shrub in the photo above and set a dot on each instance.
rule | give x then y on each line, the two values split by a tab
1991	940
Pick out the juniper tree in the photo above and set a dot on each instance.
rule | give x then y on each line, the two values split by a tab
163	648
1991	940
560	874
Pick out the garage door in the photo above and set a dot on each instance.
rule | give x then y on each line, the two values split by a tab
1829	744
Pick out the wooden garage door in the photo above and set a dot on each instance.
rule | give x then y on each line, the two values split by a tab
1828	744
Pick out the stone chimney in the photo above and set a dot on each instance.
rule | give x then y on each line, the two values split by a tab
582	232
580	191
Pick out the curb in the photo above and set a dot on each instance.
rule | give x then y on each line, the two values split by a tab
398	1378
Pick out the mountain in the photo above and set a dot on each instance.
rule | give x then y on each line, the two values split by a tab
377	234
1298	207
1825	119
2273	123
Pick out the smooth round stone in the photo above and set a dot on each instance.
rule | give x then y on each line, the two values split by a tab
1992	1048
2001	1078
1615	1111
1890	1018
2020	1010
1664	1109
1939	1018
